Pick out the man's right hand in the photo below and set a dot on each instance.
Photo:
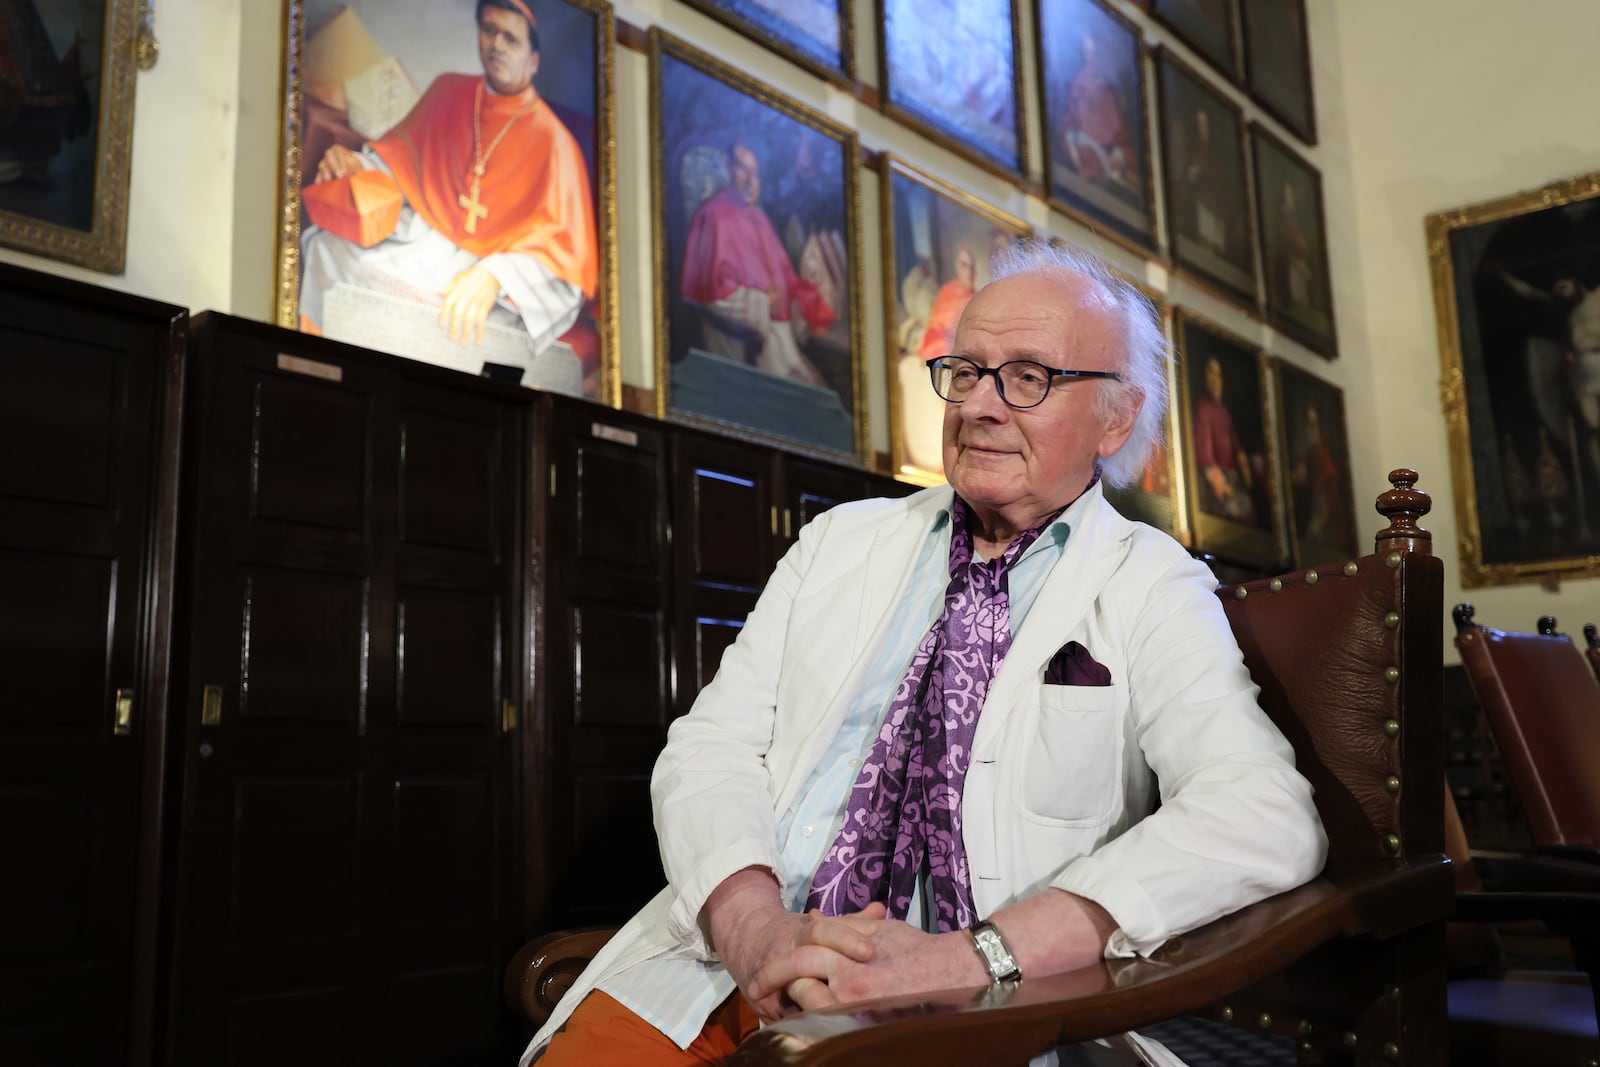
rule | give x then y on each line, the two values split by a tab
750	928
338	162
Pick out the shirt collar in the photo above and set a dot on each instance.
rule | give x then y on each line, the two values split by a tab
1053	536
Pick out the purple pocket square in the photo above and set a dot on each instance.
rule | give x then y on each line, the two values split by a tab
1072	665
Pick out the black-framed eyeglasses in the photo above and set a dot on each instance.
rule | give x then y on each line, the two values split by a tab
1021	383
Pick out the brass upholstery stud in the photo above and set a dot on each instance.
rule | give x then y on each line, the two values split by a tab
1392	991
1392	784
1391	728
1276	585
1391	620
1240	592
1265	1022
1391	844
1391	1051
1350	569
1305	1027
1307	1047
1311	577
1391	674
1349	1039
1227	1015
1392	560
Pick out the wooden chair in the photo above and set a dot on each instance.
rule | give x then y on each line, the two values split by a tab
1542	701
1349	660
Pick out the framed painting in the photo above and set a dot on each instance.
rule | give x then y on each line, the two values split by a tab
937	243
448	185
1315	446
952	70
1208	198
759	328
1516	288
1096	123
817	34
1230	464
1207	26
1157	498
1277	62
1294	244
66	129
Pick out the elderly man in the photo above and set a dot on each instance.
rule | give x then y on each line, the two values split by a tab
933	758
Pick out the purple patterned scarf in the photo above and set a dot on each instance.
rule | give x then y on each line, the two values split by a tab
904	811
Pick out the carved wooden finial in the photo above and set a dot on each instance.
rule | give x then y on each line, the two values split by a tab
1591	634
1547	625
1462	614
1403	506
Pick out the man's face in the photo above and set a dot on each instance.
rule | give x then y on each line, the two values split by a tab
746	174
1025	464
504	45
1214	379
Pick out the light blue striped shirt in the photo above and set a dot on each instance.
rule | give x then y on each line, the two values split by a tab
677	995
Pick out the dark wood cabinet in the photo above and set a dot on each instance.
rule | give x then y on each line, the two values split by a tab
347	868
327	677
90	386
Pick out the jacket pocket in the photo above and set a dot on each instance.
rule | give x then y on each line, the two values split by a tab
1073	773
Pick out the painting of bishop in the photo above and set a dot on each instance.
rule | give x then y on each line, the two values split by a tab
457	224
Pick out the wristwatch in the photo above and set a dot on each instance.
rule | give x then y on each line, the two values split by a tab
996	956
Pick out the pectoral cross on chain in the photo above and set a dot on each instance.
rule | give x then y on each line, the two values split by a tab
474	208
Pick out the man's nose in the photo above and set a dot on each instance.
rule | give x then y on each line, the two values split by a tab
984	400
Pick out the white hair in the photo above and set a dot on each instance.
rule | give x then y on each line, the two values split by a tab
1146	354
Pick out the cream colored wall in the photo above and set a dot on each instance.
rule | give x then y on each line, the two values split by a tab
1447	103
1421	107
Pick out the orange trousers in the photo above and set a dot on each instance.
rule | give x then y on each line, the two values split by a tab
604	1033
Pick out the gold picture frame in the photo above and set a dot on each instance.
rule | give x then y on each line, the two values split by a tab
953	220
39	218
787	45
730	361
1161	497
593	339
1514	276
1319	491
1235	503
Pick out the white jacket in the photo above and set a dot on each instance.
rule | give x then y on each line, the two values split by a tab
1063	779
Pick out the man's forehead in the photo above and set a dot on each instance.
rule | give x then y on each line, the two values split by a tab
1062	306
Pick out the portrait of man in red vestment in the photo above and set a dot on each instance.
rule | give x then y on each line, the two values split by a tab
943	241
456	224
1316	450
756	238
1097	139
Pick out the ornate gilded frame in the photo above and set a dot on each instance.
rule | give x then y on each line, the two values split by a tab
291	133
1229	539
843	75
103	247
1018	171
1346	542
1102	224
1462	386
662	46
890	167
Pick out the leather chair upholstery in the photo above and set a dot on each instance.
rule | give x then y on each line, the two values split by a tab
1349	660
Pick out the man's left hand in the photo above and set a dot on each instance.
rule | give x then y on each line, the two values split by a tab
905	960
468	299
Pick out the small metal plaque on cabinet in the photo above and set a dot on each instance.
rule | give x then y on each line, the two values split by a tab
614	433
314	368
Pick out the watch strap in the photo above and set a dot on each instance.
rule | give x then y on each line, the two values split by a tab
995	953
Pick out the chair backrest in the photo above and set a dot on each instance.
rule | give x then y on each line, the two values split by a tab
1349	660
1542	701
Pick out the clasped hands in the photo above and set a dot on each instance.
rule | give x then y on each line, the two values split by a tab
783	961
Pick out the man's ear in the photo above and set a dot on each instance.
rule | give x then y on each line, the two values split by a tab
1119	427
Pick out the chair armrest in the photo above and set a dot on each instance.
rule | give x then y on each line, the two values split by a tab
1524	872
1013	1024
545	968
1575	914
1574	853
